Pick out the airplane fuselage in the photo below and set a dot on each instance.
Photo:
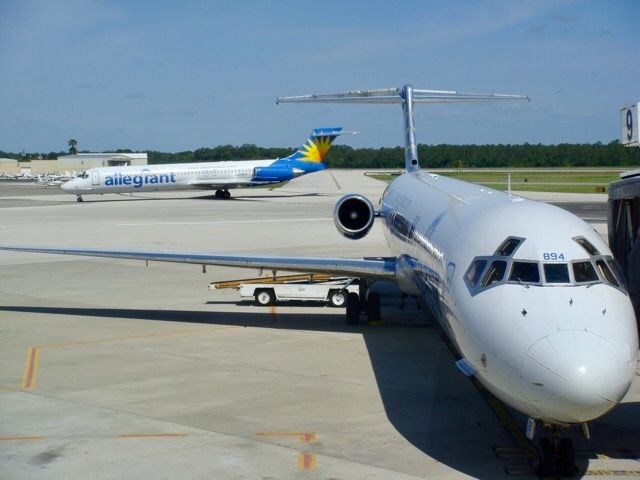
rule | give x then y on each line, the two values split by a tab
547	326
188	176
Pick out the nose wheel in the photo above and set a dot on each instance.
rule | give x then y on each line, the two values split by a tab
79	199
556	456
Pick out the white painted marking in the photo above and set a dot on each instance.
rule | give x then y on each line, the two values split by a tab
228	222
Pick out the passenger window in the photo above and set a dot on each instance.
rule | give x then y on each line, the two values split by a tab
495	273
474	272
508	247
587	245
606	272
526	272
584	272
556	273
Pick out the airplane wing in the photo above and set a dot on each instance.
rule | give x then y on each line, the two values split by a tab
377	267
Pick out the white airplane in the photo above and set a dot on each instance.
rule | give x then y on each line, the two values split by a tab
50	180
219	176
528	294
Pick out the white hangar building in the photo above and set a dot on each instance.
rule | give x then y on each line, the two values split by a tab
85	161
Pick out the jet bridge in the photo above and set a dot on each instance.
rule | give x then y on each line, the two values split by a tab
624	231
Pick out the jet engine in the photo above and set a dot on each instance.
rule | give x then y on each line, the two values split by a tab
353	216
273	174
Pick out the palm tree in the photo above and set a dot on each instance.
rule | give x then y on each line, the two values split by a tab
73	143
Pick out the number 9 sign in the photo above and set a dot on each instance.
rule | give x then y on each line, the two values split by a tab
629	117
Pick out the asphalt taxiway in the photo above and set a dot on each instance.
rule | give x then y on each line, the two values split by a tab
114	369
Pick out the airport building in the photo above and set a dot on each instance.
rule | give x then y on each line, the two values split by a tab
85	161
69	163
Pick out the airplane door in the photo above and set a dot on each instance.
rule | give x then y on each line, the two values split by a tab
95	178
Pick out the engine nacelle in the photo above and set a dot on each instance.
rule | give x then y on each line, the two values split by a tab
273	174
353	216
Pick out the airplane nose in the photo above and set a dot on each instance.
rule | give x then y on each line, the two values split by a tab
66	186
581	374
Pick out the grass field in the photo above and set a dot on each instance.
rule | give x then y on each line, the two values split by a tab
544	180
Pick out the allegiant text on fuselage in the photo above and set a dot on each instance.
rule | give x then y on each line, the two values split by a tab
139	180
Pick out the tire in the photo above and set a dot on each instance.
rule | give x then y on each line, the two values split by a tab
337	298
218	193
79	200
265	297
353	308
226	195
567	460
373	307
546	458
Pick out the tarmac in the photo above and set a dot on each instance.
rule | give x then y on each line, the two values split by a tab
114	369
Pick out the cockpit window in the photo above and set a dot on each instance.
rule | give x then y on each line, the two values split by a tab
488	271
556	272
583	272
509	246
615	269
587	245
495	273
525	272
474	272
606	272
83	175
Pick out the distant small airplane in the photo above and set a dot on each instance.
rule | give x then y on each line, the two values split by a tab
219	176
50	180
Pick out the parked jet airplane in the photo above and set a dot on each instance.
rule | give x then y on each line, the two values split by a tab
220	176
528	294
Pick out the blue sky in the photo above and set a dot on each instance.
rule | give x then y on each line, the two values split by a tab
174	76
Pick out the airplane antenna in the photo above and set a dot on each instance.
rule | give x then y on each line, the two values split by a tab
407	96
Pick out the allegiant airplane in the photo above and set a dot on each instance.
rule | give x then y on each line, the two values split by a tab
218	176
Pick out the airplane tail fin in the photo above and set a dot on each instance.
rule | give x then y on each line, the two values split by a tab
317	145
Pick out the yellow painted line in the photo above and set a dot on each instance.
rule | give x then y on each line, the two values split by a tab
33	353
307	461
20	438
151	435
31	368
305	437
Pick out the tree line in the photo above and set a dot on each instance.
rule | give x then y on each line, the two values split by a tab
527	155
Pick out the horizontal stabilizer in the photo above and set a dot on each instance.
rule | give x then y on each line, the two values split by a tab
331	132
395	95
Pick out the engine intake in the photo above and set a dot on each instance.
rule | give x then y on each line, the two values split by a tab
353	216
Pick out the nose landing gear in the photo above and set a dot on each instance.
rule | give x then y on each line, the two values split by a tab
556	456
79	198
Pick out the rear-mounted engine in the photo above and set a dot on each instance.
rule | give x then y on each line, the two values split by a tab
353	216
